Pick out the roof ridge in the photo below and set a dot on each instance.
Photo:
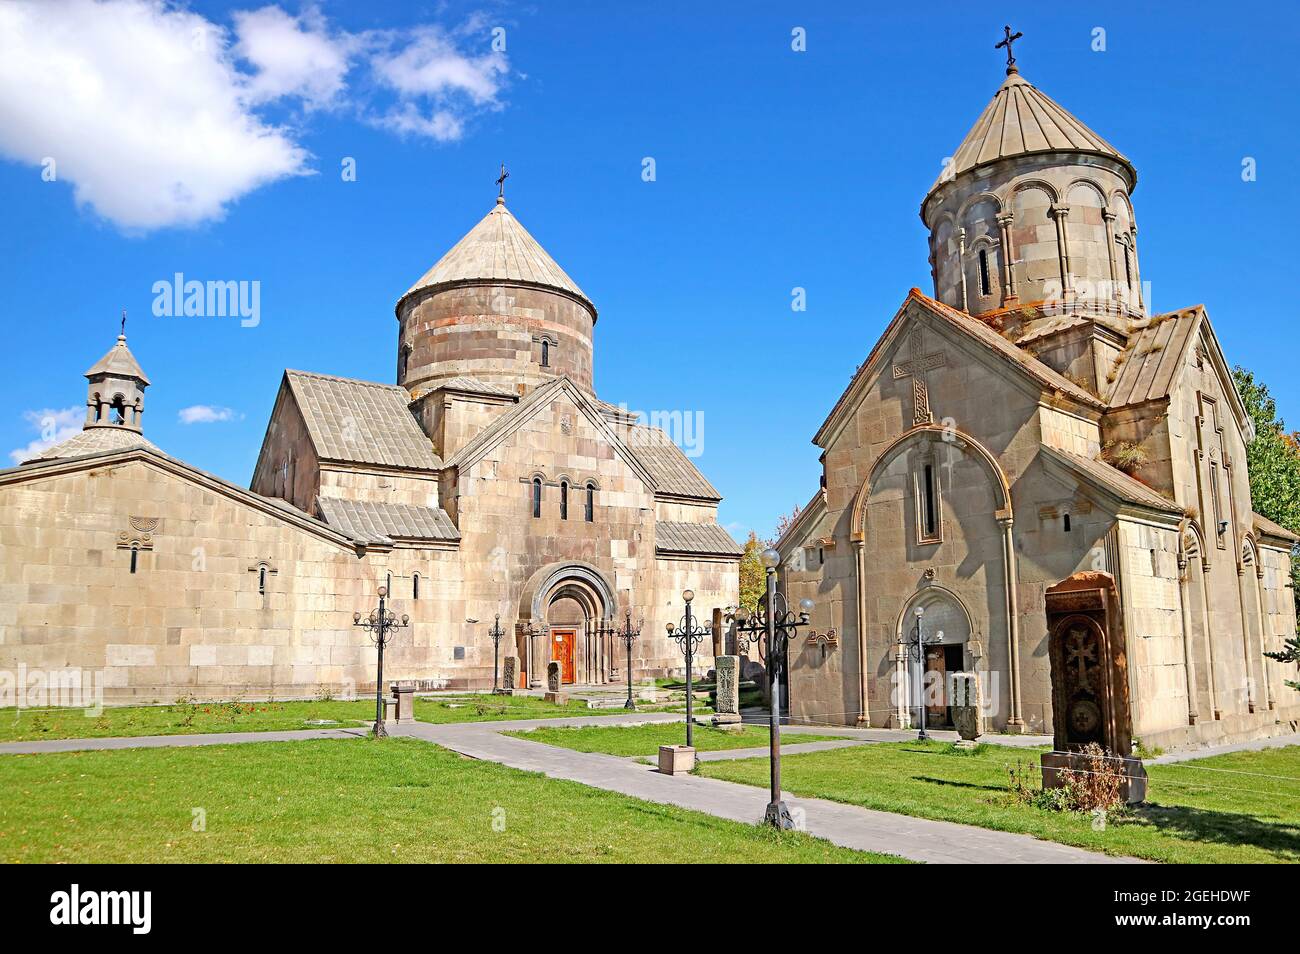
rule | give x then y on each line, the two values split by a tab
338	377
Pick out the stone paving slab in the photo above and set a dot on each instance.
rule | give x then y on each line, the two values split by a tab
906	735
848	825
164	741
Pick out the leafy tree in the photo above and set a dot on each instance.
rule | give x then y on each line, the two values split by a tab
753	577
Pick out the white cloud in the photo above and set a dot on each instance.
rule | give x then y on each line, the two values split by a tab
293	56
54	426
150	110
434	80
205	414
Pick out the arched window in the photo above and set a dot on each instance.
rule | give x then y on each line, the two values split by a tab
546	353
135	557
388	584
404	361
564	500
415	586
261	580
589	507
1128	265
537	496
119	410
986	284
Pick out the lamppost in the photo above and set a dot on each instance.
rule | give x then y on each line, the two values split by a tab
776	625
380	624
688	636
496	634
629	636
916	650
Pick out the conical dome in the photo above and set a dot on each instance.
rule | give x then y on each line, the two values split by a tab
1022	120
498	249
119	362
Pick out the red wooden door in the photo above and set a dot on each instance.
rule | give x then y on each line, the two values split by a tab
563	649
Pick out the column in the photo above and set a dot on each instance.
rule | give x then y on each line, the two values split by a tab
1015	723
1008	254
1209	638
961	266
1060	213
1263	630
1245	634
1108	217
860	582
1189	664
903	688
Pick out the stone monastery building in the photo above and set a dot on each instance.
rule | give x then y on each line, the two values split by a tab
488	481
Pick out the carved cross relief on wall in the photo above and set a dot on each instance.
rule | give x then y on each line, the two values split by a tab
917	363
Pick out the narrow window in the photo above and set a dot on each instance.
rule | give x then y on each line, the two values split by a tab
1067	523
1128	265
388	584
119	410
931	510
415	586
589	508
1214	496
405	360
821	556
261	580
985	285
564	500
546	354
537	496
135	556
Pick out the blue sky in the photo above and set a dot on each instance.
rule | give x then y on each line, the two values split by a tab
774	169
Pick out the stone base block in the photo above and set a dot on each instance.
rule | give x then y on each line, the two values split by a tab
559	698
676	759
965	744
1134	787
503	692
726	718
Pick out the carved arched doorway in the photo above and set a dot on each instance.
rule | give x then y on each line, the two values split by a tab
565	612
946	646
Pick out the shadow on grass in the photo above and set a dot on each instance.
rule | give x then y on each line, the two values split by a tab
951	784
1223	828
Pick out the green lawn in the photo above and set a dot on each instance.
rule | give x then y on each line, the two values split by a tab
646	739
349	800
29	725
1243	807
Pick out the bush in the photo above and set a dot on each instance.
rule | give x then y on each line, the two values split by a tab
1127	456
1098	785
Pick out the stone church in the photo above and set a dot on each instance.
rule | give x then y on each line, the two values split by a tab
1040	477
489	481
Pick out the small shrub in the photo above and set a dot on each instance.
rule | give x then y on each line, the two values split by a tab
1127	456
1096	786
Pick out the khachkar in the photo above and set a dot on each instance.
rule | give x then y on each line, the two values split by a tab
1090	697
726	707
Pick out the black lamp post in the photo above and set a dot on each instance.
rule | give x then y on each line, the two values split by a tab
776	625
629	636
495	633
380	624
916	650
688	636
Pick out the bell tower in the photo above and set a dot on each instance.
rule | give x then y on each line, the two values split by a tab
115	389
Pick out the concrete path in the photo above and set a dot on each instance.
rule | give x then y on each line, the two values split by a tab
848	825
1255	745
164	741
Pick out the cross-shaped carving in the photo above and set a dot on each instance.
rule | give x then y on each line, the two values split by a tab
1081	652
915	367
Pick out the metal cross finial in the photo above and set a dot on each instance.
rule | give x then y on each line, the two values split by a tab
501	183
123	322
1010	38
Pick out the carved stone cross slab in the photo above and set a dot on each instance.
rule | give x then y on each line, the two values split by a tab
915	367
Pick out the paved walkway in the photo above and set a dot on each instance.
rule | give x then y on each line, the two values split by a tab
848	825
1255	745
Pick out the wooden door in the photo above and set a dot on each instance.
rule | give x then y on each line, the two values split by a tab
935	679
563	648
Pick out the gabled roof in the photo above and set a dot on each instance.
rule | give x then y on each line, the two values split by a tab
1021	120
474	386
498	249
361	422
1112	481
508	422
1149	366
93	440
371	522
673	471
118	362
694	538
976	331
1267	527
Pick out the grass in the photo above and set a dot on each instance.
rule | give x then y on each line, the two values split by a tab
632	740
1242	807
31	725
350	800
